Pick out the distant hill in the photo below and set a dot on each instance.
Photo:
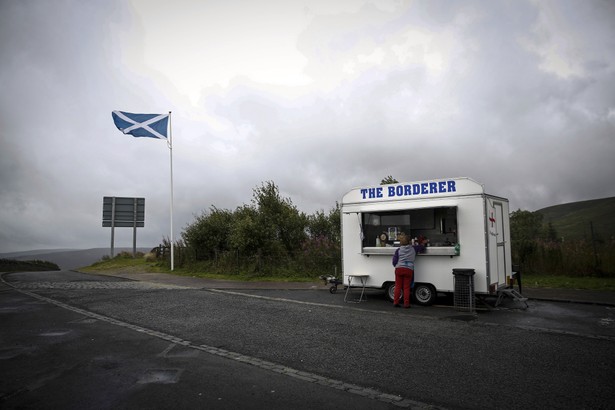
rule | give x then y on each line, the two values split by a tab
575	219
68	259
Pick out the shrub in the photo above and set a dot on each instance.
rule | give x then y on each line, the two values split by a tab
150	257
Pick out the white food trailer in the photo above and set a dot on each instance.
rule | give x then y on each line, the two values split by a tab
464	228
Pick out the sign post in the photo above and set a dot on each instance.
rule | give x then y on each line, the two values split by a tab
123	213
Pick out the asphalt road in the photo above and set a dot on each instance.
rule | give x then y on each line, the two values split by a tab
71	340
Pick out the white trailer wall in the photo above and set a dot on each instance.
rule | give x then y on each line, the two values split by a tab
481	231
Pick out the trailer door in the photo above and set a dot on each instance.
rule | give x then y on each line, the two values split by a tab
497	244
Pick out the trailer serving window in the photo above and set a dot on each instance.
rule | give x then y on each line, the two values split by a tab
437	225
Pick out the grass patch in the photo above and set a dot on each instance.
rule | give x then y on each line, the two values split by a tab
243	277
140	264
568	282
125	263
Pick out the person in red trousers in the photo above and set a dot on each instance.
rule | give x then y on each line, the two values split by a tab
403	261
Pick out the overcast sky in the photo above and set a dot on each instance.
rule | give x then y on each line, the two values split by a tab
317	96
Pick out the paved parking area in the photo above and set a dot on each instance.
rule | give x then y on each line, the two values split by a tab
176	341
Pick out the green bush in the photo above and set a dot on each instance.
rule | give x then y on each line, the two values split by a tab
268	237
539	250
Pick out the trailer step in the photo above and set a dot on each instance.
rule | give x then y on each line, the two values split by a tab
512	293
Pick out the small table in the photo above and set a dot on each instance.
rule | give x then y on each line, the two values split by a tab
363	280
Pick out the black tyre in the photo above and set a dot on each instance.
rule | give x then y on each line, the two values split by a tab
424	294
389	289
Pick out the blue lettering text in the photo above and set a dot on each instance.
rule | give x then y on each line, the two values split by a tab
424	188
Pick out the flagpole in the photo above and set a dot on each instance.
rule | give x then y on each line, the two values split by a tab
170	145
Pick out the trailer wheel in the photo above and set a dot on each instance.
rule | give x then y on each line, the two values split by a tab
424	294
389	288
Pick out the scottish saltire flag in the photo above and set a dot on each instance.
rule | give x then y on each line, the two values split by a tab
142	125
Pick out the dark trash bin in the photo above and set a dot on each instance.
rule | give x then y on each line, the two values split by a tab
464	289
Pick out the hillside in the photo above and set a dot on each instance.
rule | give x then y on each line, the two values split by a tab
574	220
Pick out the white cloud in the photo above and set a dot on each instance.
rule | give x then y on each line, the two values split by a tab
213	43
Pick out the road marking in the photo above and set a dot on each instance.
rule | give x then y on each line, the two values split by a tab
309	377
301	302
415	316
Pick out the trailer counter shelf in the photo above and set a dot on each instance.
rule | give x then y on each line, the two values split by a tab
429	251
462	226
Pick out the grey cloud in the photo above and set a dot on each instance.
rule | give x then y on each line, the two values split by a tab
491	111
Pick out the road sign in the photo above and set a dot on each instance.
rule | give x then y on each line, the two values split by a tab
123	212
